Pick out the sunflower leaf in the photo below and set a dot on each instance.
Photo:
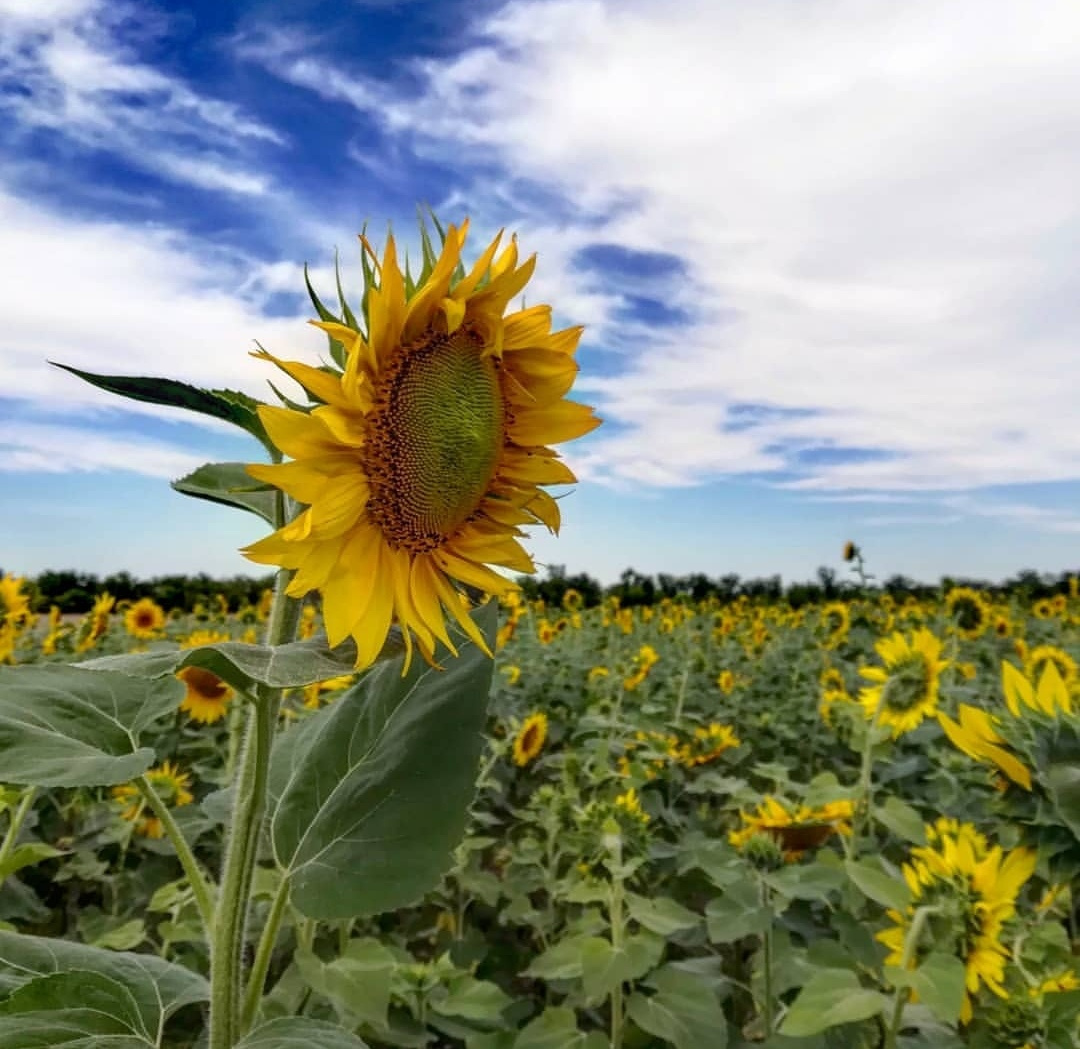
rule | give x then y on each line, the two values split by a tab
346	312
228	405
69	994
370	795
337	350
65	726
294	665
230	485
299	1032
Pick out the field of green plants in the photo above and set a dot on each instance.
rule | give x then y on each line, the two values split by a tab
695	824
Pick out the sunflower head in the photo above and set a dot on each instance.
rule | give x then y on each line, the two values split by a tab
968	610
530	739
144	619
905	690
207	696
425	452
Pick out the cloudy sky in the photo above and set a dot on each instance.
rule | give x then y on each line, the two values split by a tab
827	253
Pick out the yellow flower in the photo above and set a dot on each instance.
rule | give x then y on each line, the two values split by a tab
850	551
572	600
171	785
977	737
1042	609
726	682
836	618
630	803
708	743
1002	625
14	602
424	459
207	696
1039	658
313	693
96	624
968	671
512	674
144	619
598	673
906	689
1064	981
796	829
530	739
969	611
972	888
1050	697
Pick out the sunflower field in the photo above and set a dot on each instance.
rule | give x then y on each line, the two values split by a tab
695	825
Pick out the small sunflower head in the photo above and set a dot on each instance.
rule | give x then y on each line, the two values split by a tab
851	551
530	739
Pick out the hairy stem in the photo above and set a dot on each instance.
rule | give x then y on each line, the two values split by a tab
263	953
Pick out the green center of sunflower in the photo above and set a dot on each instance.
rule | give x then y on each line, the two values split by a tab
908	685
435	436
968	613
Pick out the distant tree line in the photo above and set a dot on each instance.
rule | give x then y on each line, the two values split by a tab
75	591
637	588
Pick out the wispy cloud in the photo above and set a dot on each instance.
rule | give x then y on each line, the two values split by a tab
65	69
875	206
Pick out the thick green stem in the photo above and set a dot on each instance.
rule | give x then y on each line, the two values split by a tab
18	818
911	944
863	803
263	954
199	886
249	805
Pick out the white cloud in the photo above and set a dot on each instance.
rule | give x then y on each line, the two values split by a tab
67	71
108	298
876	204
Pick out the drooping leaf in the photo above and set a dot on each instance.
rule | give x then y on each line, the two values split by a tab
293	665
228	405
230	485
370	795
65	726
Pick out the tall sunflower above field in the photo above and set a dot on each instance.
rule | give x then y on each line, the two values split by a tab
425	456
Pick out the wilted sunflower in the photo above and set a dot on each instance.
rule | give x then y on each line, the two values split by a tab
973	888
144	619
421	462
907	686
968	610
530	739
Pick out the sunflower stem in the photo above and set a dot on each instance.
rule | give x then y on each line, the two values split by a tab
911	945
767	962
18	817
866	784
199	885
249	792
263	953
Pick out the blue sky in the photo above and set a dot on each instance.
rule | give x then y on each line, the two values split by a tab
826	256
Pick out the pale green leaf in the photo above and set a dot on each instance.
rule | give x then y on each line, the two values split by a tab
878	885
684	1010
299	1032
832	997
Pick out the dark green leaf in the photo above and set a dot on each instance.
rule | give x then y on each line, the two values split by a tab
684	1011
832	997
66	726
230	485
878	885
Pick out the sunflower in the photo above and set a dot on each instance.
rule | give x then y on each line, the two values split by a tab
972	888
423	459
706	745
207	696
794	828
836	618
96	624
906	689
1002	625
850	551
172	785
1042	609
512	673
530	739
968	610
1039	658
629	803
14	601
725	681
144	619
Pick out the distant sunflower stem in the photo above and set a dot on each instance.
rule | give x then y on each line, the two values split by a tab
199	886
263	953
866	783
227	1023
615	912
18	818
682	696
911	945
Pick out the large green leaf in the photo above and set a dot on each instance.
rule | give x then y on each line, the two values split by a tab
64	726
357	984
149	991
370	795
230	485
299	1032
228	405
293	665
832	997
556	1028
684	1010
605	967
877	884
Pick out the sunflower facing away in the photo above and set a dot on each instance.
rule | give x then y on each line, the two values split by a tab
905	690
422	461
972	887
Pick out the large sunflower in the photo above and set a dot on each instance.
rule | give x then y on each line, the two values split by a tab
906	687
423	459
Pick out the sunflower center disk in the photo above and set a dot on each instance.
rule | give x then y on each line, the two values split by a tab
435	435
